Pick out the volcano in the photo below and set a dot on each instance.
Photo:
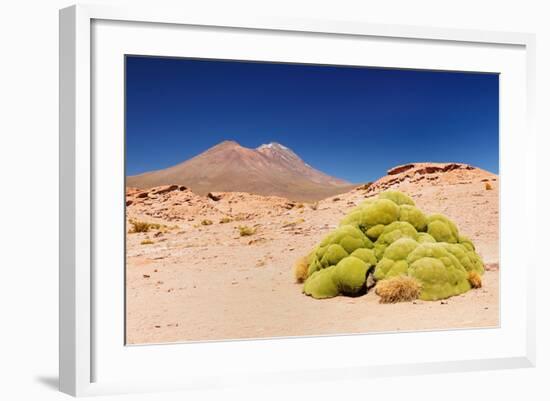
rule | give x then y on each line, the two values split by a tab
270	169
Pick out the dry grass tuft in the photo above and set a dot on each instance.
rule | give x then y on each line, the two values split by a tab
475	279
488	186
314	206
300	269
206	222
241	217
225	220
293	223
398	289
246	231
143	227
147	242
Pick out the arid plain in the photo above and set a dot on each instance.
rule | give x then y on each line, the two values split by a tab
218	266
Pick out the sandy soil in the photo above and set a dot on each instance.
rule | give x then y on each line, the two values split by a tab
206	282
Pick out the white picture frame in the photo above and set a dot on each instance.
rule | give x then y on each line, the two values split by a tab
79	338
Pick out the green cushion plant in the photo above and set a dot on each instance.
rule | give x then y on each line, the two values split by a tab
389	237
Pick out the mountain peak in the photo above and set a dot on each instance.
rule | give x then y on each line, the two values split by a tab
272	145
227	143
225	146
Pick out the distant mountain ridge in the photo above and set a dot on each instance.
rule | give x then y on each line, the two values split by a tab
270	169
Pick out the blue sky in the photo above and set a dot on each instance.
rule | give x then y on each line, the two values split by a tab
352	123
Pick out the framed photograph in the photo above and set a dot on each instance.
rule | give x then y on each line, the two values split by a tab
252	201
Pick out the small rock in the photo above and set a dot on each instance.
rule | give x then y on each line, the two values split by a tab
364	187
146	276
370	282
215	198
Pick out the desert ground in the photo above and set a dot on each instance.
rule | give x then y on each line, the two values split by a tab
188	280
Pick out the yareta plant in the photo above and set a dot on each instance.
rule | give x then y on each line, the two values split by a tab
388	237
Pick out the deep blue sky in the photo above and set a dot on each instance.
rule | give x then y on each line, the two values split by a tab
352	123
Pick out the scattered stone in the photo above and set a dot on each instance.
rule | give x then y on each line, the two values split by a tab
364	187
215	198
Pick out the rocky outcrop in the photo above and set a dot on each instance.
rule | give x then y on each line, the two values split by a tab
176	203
164	189
400	169
416	172
428	168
